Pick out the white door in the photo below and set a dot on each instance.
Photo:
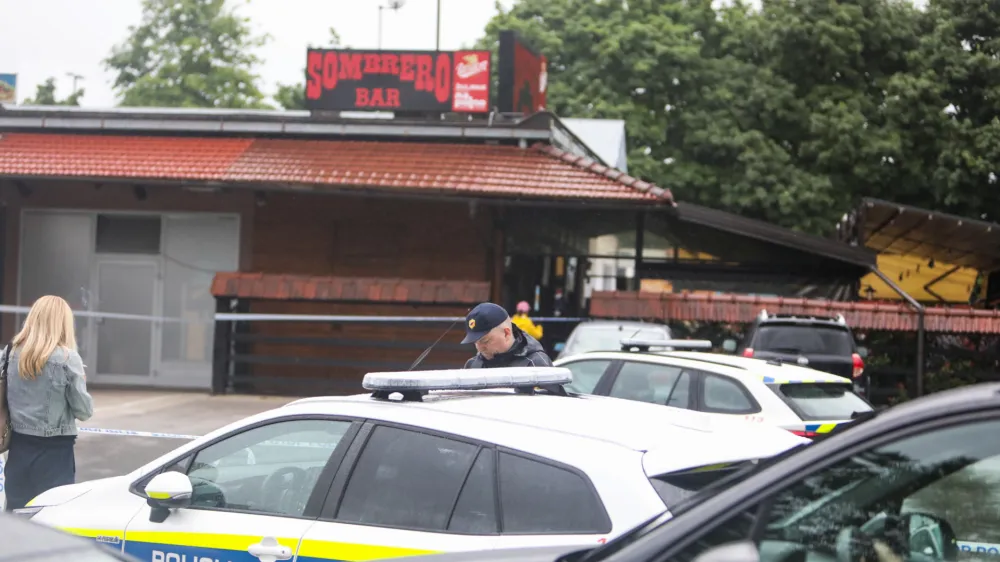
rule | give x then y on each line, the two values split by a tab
251	497
126	347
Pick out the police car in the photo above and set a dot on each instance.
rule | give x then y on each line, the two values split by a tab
804	401
429	461
918	482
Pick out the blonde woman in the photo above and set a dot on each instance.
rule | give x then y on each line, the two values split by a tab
46	394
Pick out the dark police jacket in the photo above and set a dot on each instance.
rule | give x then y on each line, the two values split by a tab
526	352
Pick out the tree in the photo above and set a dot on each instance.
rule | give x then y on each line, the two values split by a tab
293	96
188	53
775	113
45	94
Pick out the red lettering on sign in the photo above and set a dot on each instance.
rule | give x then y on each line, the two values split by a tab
406	63
392	97
314	67
350	66
374	98
442	84
329	71
390	64
372	64
424	81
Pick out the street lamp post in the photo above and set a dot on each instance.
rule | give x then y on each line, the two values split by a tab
393	5
437	39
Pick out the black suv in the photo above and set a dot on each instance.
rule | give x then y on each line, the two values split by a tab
818	342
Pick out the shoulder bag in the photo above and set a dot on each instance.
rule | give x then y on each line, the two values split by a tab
5	426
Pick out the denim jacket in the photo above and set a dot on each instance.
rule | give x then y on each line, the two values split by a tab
51	402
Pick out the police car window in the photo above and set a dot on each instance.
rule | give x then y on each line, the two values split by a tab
650	382
540	498
406	479
586	375
722	394
475	512
269	469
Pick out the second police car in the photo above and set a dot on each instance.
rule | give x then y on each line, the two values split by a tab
431	461
804	401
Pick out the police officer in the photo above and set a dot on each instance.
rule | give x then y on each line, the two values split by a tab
499	341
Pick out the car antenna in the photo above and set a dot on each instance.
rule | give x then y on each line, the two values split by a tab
427	351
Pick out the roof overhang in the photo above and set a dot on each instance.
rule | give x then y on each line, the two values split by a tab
775	235
894	228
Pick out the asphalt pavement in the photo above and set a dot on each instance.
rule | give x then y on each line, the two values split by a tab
185	413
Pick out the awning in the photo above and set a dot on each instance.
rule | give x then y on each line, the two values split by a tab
265	286
741	309
498	171
893	228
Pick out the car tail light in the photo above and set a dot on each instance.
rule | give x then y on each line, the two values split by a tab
800	433
859	365
748	352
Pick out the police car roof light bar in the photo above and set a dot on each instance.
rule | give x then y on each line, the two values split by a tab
629	343
416	383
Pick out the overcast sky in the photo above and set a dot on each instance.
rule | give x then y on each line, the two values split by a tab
42	38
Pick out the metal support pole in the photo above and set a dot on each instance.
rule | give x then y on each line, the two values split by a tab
437	40
380	27
920	325
640	243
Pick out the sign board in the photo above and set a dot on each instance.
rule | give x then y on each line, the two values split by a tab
523	76
8	88
418	81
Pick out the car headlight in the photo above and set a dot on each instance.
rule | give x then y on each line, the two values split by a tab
27	512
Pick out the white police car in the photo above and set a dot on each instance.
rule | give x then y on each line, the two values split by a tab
804	401
412	469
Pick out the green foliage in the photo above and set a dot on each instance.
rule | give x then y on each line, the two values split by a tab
790	112
188	53
45	94
293	96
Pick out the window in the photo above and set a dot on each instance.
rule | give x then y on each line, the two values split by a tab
270	469
406	479
822	401
653	383
940	486
725	395
538	498
476	510
949	473
673	488
604	337
586	375
803	339
123	234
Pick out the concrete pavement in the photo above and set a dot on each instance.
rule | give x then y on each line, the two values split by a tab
187	413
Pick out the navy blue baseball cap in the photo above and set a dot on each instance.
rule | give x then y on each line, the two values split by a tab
482	319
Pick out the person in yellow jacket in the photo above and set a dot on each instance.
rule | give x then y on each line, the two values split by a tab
524	322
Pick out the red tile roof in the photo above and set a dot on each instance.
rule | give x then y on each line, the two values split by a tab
499	171
354	289
738	309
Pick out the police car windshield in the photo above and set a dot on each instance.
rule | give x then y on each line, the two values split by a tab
609	337
822	401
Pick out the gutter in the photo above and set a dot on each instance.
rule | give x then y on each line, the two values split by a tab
919	308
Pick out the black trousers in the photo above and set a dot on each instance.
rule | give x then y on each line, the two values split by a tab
37	464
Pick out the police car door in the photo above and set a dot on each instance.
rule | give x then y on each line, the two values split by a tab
403	491
253	494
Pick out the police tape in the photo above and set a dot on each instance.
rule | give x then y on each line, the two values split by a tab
256	317
160	435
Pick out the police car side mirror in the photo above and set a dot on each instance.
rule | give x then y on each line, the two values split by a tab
729	346
743	551
166	491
